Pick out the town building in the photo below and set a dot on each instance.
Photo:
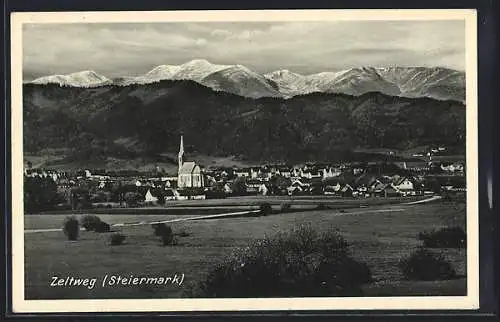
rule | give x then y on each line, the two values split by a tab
189	174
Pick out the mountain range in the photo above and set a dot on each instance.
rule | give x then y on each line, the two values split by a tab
123	122
437	82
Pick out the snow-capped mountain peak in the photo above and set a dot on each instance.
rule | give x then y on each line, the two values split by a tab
291	84
162	72
197	69
86	78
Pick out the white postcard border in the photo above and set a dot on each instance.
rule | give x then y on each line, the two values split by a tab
471	301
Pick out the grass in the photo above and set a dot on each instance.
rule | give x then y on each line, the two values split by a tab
380	239
294	200
237	204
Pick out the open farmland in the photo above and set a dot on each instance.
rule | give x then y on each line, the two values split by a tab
378	235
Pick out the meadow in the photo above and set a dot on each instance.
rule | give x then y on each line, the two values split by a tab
378	235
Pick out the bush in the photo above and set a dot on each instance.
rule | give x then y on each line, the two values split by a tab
159	228
425	266
285	207
133	198
90	222
71	227
448	237
183	233
295	264
116	239
265	209
165	233
103	227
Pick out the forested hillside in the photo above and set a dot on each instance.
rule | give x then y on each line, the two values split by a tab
124	121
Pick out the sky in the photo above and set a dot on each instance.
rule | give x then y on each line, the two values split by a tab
132	49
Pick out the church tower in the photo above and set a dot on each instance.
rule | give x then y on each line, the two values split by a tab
181	153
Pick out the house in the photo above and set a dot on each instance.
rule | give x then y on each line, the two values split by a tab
170	194
346	191
242	173
265	175
263	189
332	189
296	173
404	186
254	172
227	188
293	190
300	183
365	180
150	198
297	186
362	189
414	165
357	171
377	188
453	167
189	174
253	186
282	171
304	174
391	191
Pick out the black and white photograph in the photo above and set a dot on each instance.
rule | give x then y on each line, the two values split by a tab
246	160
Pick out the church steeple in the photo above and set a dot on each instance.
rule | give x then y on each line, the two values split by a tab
181	153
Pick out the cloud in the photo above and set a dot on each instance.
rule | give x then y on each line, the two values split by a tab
221	33
247	34
123	49
201	41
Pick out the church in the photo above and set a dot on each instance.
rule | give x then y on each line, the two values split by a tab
189	174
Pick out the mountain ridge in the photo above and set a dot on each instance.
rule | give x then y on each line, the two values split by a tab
435	82
120	121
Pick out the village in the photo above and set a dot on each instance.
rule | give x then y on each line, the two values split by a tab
88	188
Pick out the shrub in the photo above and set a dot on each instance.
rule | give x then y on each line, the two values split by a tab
159	228
90	222
71	227
183	233
133	198
265	209
116	239
298	263
103	227
285	207
426	266
165	233
448	237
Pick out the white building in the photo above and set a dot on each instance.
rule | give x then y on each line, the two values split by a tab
189	173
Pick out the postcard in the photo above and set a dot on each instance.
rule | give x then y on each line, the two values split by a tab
261	160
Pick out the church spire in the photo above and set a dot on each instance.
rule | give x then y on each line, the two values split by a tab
181	153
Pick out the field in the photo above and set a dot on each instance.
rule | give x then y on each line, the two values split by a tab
379	235
243	203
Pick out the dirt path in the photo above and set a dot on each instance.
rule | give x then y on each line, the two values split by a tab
239	213
224	215
425	200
